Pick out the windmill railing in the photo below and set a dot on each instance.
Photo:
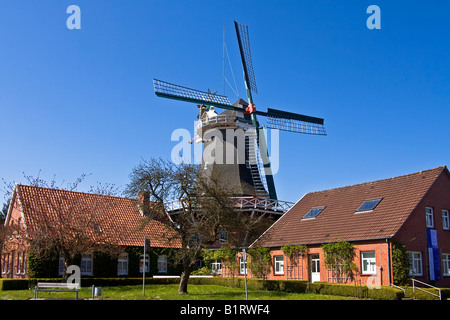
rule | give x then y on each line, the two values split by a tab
263	205
219	119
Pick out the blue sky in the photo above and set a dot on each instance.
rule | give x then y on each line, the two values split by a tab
82	101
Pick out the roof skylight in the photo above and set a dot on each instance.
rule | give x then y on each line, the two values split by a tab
314	212
369	205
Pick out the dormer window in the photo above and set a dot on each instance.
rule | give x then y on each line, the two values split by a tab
369	205
314	212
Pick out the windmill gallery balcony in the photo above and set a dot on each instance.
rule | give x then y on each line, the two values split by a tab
261	205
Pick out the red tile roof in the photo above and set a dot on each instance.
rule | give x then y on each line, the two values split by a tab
338	221
118	219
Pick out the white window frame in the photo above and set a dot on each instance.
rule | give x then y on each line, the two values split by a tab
122	264
368	262
223	238
445	264
162	264
61	264
445	220
278	262
147	263
86	264
429	217
24	263
5	263
216	267
19	262
415	262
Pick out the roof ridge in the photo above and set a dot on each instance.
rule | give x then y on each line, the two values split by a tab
72	191
379	180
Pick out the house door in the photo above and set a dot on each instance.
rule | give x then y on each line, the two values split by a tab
315	267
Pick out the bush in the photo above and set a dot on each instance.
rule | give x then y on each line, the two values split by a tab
350	290
302	286
25	284
14	284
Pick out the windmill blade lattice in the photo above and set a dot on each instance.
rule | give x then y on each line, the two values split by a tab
246	55
293	122
173	91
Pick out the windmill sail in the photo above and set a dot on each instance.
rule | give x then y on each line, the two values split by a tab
173	91
246	55
293	122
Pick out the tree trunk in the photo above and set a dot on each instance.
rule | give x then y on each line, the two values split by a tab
68	261
184	281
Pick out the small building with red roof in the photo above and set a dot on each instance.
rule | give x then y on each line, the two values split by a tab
104	220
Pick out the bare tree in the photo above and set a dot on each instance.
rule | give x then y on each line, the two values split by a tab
62	221
204	208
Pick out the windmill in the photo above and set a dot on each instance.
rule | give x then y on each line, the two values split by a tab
247	178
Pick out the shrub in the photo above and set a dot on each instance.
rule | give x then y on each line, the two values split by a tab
400	264
14	284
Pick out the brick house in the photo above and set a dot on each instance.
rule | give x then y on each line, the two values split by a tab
111	220
412	209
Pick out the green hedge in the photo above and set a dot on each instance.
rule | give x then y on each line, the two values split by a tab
300	286
418	294
14	284
350	290
24	284
297	286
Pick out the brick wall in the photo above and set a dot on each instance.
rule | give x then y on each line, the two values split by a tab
413	233
302	268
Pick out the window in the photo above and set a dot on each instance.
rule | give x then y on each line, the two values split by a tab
314	212
446	264
86	265
162	264
429	217
61	264
21	263
279	264
122	264
445	220
369	205
5	263
223	236
368	262
216	267
24	263
146	262
415	263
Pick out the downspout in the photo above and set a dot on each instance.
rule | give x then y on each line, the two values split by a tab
389	260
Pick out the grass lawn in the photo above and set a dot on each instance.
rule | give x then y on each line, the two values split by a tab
169	292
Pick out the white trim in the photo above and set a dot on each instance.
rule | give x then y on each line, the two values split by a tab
447	218
123	259
162	259
370	262
279	263
427	214
447	261
412	259
277	220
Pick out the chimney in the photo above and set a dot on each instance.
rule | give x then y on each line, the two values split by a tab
144	202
